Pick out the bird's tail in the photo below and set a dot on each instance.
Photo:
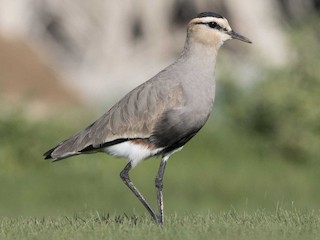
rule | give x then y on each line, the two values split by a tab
67	148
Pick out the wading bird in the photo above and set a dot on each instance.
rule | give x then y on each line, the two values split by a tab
161	115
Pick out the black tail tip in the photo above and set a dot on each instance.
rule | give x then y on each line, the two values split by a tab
47	155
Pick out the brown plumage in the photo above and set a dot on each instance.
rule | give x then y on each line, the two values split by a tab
161	115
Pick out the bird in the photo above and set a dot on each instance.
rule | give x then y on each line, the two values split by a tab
158	117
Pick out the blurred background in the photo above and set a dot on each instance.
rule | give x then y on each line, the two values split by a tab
64	63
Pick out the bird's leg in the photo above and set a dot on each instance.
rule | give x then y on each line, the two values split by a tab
125	178
159	187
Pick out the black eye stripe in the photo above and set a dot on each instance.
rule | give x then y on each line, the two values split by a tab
213	25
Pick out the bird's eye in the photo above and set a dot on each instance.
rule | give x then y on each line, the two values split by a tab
212	24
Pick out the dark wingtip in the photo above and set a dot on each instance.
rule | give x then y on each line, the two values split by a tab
209	14
47	155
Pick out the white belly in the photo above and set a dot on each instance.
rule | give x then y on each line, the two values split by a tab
135	153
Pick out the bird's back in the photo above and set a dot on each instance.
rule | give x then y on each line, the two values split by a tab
153	110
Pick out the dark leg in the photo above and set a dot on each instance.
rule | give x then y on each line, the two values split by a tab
125	178
159	187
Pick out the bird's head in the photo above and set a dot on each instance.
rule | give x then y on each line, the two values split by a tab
212	29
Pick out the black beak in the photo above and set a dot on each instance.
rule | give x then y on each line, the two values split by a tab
235	35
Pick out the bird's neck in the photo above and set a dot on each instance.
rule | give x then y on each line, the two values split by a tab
200	55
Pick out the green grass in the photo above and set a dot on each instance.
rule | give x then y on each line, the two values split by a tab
215	172
280	224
